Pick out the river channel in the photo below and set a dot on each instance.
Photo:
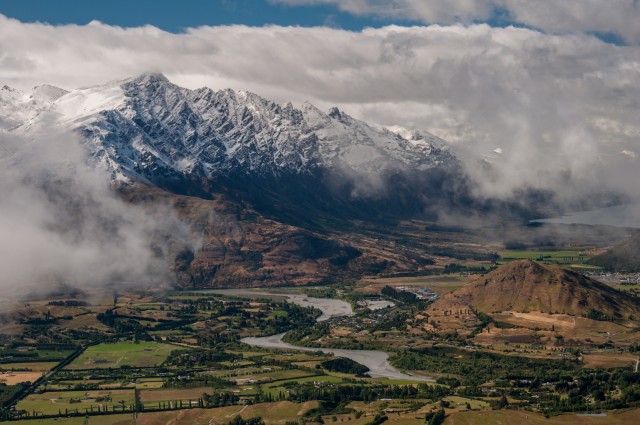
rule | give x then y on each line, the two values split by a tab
376	361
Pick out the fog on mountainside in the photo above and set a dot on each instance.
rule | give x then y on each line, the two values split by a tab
61	223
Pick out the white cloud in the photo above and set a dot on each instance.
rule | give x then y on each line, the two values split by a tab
617	17
61	223
559	106
431	11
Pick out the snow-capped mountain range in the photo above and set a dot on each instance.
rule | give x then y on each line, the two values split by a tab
146	128
18	108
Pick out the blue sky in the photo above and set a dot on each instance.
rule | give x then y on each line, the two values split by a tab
174	16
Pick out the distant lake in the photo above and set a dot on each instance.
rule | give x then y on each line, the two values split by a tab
619	216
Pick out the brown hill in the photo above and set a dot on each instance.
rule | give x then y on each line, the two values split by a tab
240	247
526	286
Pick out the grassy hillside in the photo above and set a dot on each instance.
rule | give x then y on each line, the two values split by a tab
526	286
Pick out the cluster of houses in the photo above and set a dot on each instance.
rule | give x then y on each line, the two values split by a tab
420	293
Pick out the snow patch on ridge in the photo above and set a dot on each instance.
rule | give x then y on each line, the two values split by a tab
79	106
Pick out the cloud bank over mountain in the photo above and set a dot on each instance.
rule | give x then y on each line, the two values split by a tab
62	224
616	18
545	110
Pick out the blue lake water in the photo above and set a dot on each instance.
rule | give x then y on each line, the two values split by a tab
619	216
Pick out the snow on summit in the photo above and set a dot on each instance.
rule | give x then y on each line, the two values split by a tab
146	127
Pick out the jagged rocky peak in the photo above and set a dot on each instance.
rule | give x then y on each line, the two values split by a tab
147	85
335	113
148	78
244	104
146	128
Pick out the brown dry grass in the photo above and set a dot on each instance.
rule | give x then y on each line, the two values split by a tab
13	378
341	331
610	360
273	414
517	335
29	366
442	284
85	321
167	395
539	320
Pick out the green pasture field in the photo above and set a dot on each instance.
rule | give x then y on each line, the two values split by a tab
311	364
557	257
277	314
32	366
236	363
50	403
242	371
321	378
44	355
250	354
297	358
149	383
378	405
144	383
105	355
462	401
274	375
185	395
274	388
39	356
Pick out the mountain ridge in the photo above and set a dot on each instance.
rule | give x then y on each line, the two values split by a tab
199	142
234	130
